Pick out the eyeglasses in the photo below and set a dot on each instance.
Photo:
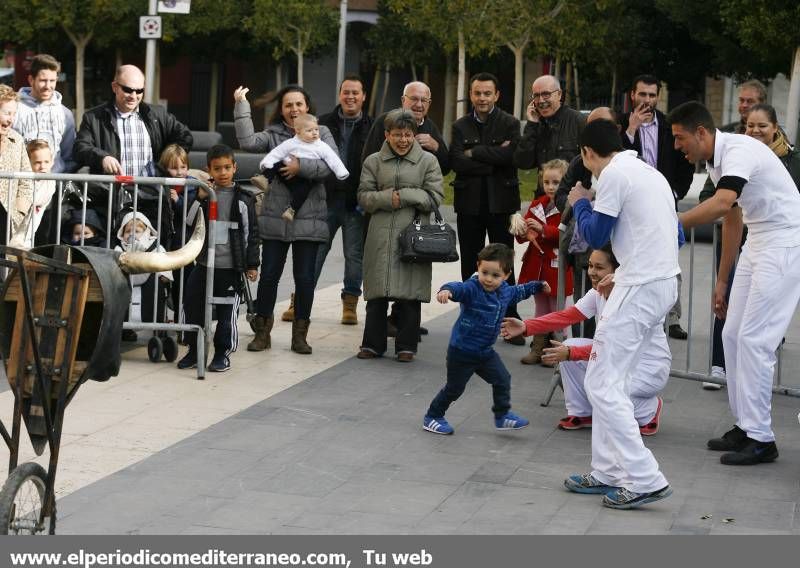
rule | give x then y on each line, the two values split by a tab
130	90
416	100
544	95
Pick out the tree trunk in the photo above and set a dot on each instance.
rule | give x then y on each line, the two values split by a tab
613	87
557	72
386	78
300	68
80	43
373	98
577	87
413	71
449	99
461	106
213	95
426	74
118	58
519	61
793	106
568	86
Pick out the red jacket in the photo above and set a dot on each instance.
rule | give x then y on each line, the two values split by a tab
544	266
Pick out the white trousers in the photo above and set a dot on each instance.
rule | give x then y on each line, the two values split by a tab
764	296
627	327
648	380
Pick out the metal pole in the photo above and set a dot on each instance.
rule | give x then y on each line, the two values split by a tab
342	42
150	62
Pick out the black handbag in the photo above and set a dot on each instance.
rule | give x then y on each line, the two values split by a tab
428	243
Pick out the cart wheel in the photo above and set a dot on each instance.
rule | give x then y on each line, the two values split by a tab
155	349
170	349
22	500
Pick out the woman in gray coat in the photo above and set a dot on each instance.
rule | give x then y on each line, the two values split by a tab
305	233
396	182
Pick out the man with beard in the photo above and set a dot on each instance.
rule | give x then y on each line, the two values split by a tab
645	130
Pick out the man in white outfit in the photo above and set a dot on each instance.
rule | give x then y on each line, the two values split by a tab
634	207
752	187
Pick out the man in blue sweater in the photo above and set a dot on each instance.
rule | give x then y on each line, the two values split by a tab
484	299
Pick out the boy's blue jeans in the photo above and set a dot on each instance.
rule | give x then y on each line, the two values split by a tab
461	365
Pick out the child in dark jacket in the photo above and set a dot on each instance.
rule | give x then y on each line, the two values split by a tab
484	299
236	252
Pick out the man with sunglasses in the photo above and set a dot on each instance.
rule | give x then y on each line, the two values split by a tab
552	130
125	136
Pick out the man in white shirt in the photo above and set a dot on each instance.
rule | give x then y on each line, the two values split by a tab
752	187
634	207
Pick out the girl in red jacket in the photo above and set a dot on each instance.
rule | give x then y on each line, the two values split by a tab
540	261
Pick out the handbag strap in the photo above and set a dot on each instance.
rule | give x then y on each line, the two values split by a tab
437	217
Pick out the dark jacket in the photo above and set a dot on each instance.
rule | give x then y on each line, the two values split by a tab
98	136
244	240
376	138
551	138
669	161
352	161
491	167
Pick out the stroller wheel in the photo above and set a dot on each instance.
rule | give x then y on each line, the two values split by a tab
170	347
155	349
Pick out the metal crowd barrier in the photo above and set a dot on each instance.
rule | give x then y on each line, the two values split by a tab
123	191
686	372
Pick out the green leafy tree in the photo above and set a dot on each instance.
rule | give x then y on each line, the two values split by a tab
82	21
463	26
294	26
521	25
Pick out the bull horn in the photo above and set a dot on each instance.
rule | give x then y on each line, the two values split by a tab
142	262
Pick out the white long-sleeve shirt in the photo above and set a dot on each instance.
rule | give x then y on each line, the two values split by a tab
299	149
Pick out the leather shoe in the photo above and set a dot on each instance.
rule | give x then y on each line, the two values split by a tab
677	332
405	357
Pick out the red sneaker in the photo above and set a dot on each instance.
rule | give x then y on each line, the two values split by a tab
575	422
652	428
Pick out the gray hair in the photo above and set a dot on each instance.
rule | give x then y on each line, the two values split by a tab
758	87
400	119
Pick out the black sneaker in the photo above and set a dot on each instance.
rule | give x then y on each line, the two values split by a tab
220	363
752	453
731	441
189	361
677	332
423	330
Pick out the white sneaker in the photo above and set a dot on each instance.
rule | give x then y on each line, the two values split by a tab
717	373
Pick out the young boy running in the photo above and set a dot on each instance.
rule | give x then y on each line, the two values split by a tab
484	299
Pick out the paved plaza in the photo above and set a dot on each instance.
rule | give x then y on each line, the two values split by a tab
328	444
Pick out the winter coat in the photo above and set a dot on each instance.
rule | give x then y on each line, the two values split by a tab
51	121
419	179
538	265
16	196
550	138
98	136
347	188
491	167
243	241
311	221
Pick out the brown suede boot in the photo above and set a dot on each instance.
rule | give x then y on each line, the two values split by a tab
263	328
299	335
288	315
535	355
349	315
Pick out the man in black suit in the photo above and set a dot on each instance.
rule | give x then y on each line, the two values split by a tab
645	130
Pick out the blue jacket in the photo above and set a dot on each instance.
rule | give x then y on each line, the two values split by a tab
482	312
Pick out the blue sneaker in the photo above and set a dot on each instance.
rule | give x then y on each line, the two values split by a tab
587	483
437	425
625	499
220	363
188	361
510	421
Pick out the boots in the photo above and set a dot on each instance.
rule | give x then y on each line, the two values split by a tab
299	334
288	315
535	356
349	303
263	327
